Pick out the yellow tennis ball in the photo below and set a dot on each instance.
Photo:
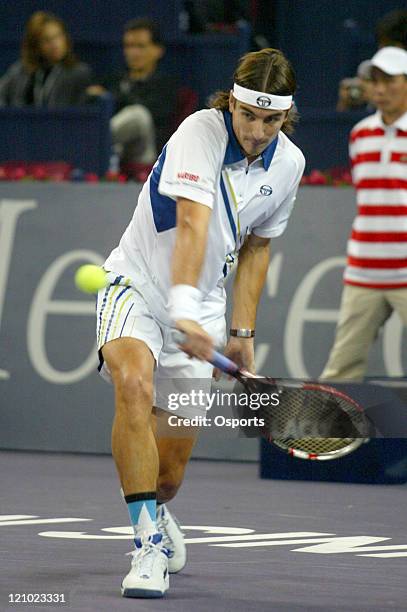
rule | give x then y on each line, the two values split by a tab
90	278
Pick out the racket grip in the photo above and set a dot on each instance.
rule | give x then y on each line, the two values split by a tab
218	360
224	364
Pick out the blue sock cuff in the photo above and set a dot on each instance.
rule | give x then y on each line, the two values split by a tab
135	503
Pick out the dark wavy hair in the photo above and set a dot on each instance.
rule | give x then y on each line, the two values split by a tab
143	23
392	29
30	49
268	71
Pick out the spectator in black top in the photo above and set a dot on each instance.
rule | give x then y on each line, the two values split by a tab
145	97
48	73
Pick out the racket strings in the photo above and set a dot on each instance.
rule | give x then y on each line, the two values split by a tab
317	446
313	421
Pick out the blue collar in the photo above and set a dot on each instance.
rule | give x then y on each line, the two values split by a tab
234	151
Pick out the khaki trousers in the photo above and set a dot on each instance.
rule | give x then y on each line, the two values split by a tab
133	130
362	313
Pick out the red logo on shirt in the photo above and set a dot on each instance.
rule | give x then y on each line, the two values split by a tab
188	176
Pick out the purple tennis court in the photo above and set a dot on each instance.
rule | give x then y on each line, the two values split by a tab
252	544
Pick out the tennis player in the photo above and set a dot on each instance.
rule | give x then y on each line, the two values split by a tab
224	184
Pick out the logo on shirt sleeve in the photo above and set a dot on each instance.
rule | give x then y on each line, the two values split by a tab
229	263
266	190
188	176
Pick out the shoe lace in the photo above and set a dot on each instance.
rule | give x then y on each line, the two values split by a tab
162	522
143	557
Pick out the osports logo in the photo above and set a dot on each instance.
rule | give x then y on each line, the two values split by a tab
263	101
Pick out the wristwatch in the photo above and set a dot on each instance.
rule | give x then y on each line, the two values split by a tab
242	333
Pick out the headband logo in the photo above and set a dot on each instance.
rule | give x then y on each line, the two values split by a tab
263	101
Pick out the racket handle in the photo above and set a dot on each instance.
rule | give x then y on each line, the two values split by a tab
218	360
224	364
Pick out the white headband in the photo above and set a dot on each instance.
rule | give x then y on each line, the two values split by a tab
262	100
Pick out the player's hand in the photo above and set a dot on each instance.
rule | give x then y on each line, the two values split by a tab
241	351
198	342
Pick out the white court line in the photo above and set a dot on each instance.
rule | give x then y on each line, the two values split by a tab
16	517
42	521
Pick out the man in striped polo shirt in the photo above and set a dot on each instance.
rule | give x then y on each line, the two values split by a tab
376	272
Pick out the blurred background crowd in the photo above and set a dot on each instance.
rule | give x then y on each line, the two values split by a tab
89	90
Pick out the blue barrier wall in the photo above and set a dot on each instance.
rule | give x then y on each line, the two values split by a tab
80	136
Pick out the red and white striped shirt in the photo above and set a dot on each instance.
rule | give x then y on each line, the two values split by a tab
377	246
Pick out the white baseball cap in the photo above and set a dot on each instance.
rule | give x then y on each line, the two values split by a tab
364	69
391	60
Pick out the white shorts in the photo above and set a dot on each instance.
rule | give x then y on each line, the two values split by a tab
123	311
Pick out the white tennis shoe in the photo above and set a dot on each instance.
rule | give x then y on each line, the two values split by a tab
173	539
148	576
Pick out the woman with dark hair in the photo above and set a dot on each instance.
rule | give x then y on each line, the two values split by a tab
48	73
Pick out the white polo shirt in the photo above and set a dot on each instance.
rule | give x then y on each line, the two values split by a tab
203	162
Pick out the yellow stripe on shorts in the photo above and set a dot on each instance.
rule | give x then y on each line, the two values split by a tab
128	296
107	312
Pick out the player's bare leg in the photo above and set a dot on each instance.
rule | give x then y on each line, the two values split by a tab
136	456
174	447
133	443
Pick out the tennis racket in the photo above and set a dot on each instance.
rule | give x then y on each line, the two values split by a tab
310	421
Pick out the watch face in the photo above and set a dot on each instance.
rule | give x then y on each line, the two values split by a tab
242	333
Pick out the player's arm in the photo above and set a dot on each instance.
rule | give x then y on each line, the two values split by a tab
187	261
190	175
250	277
251	273
190	243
